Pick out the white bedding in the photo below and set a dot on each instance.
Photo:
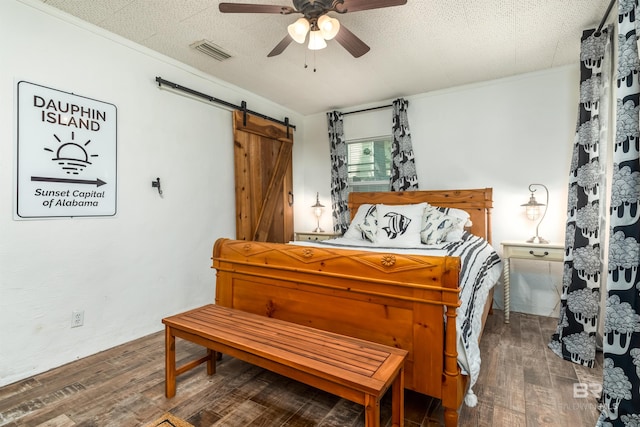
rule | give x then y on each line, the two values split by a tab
480	270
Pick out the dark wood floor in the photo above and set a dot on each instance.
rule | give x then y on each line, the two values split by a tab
521	384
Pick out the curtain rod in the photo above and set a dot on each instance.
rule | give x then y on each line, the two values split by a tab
242	107
368	109
604	18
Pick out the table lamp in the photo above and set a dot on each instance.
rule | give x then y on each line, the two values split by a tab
532	208
317	211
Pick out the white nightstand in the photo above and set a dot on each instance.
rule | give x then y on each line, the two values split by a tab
530	251
313	236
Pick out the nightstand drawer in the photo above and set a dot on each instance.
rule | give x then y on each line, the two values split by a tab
539	252
311	236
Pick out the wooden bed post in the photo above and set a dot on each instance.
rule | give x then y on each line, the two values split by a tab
451	393
488	202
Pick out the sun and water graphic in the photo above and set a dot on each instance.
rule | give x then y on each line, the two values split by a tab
72	157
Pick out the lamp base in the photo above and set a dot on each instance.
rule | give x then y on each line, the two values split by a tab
318	230
538	239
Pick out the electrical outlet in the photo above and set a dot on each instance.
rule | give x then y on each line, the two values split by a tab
77	318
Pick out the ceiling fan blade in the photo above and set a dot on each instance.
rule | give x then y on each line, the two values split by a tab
280	47
254	8
357	5
351	42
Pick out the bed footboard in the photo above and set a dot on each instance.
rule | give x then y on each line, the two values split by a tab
392	299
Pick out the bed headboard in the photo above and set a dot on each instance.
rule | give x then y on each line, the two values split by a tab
478	202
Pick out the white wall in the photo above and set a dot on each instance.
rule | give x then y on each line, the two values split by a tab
504	134
153	257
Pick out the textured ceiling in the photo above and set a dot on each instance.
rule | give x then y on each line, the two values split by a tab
422	46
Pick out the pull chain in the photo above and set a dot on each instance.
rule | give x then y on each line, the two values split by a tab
314	60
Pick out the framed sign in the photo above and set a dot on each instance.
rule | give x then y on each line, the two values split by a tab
66	154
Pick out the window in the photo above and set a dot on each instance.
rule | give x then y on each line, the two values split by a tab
369	164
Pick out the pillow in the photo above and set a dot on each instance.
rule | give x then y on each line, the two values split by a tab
458	213
457	232
436	225
454	235
399	225
366	214
369	230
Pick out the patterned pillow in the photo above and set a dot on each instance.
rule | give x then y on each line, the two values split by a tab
458	213
366	214
369	229
454	235
399	225
436	225
458	230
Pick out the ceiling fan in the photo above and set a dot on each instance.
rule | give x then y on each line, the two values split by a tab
316	21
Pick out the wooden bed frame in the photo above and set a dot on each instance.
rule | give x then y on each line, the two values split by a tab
393	299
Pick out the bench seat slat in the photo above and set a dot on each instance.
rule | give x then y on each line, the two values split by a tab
278	350
275	347
290	339
311	334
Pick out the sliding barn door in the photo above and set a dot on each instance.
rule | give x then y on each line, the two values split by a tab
264	180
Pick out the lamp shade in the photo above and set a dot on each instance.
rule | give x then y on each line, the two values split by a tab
328	26
532	208
316	41
298	30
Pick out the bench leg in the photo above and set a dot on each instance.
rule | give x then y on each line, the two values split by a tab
397	400
170	362
371	411
212	356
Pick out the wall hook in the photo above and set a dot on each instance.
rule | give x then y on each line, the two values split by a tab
156	184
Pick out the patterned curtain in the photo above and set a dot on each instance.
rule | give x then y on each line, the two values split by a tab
339	176
575	337
621	371
403	165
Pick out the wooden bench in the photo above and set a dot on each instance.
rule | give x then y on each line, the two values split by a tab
354	369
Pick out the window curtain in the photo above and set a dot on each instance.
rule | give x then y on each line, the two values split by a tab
403	165
621	370
575	337
339	173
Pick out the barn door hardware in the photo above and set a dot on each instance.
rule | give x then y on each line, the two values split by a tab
209	98
243	106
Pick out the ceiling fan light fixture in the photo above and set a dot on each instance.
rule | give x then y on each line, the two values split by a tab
298	30
328	26
316	21
316	41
